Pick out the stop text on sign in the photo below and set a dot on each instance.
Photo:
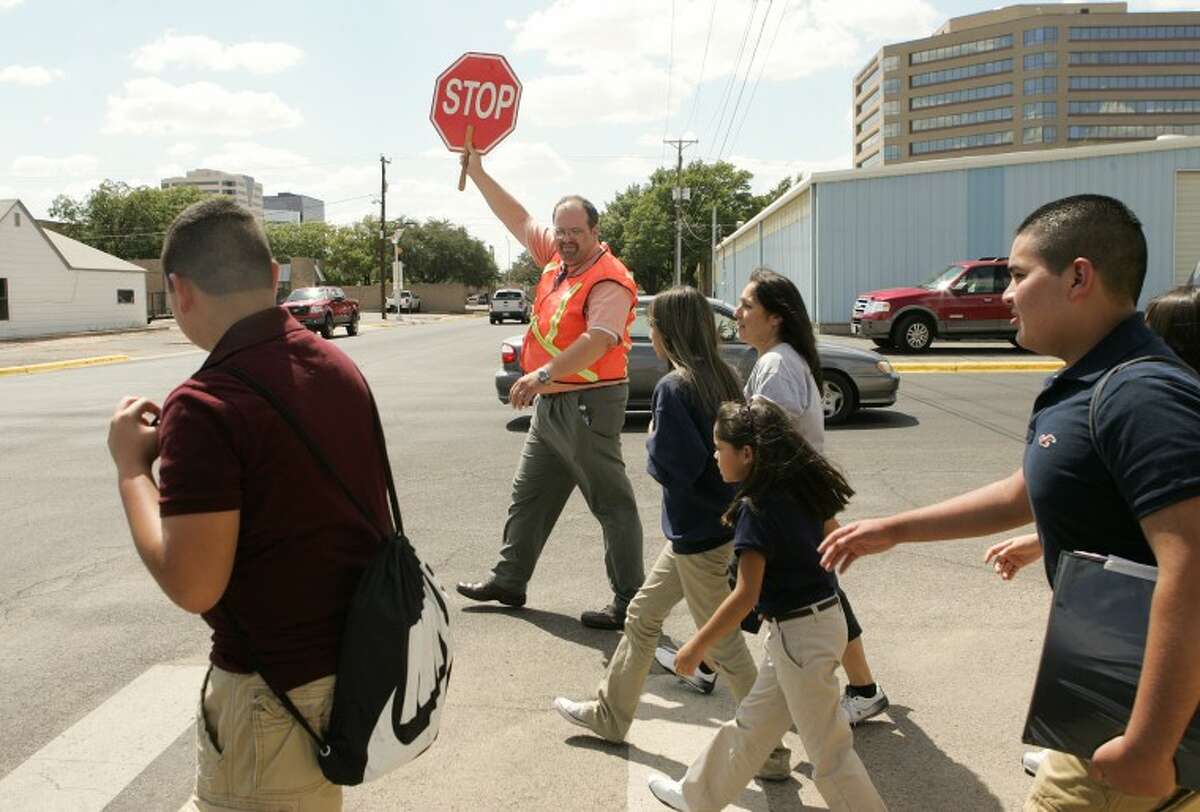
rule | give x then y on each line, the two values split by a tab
489	100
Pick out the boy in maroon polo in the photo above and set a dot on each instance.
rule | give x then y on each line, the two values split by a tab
223	530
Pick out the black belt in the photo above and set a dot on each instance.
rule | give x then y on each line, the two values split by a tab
804	611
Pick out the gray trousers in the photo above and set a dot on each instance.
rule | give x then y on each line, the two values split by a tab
574	440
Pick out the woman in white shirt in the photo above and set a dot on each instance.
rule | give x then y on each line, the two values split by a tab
772	318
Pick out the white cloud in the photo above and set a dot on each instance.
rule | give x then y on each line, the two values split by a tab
182	150
205	53
5	5
234	156
591	45
40	166
154	107
768	172
29	75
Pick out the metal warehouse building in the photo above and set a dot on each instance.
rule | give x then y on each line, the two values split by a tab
838	234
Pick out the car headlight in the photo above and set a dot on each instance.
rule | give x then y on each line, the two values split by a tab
314	309
878	307
885	367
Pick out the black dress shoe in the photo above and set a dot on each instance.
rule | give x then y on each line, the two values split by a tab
610	618
489	590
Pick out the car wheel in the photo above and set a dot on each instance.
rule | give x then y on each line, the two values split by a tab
840	397
914	333
327	326
883	343
352	327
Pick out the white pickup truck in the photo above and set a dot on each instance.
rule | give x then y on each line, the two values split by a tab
509	303
407	302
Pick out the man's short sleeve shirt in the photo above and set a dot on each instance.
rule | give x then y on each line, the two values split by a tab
1146	455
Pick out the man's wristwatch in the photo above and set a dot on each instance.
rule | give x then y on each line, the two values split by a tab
543	376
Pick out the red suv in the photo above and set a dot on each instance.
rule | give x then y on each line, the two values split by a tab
323	309
962	301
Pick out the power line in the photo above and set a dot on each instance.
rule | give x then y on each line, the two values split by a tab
728	94
703	62
670	70
745	77
762	68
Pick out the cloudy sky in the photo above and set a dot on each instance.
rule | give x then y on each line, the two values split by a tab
306	98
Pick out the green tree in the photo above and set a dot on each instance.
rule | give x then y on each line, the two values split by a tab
125	221
524	273
299	240
352	253
439	251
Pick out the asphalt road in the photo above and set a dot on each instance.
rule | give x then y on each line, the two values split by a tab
83	629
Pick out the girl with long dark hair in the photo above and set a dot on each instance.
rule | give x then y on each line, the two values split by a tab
786	493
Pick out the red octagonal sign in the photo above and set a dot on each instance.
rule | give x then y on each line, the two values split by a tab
479	90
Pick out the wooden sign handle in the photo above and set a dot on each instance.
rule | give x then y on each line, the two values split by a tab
462	177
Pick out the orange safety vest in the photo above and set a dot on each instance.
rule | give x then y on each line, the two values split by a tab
558	320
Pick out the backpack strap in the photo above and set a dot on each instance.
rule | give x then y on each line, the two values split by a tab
1098	389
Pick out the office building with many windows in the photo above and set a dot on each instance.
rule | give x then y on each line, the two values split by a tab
288	207
243	188
1030	77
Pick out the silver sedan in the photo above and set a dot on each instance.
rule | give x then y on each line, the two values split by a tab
854	378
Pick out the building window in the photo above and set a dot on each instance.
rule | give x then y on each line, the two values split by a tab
961	142
124	296
979	46
870	141
1112	32
1122	107
1042	86
868	102
1133	58
869	123
891	130
1175	82
891	152
1041	61
965	72
3	300
890	63
874	160
1040	110
958	96
891	87
1114	132
962	119
891	108
1037	36
1039	135
868	81
16	219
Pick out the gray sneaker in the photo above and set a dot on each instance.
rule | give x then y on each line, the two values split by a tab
577	713
860	708
704	683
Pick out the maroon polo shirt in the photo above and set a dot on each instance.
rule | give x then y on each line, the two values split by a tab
301	544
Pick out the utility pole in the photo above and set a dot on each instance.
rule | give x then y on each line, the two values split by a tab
712	266
680	194
383	162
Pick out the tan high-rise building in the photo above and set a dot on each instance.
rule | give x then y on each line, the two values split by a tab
243	188
1029	77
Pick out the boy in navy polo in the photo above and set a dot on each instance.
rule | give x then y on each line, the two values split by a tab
1078	265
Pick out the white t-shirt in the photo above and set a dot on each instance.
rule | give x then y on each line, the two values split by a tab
782	376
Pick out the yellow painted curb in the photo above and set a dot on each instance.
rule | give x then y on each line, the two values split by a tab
54	366
980	366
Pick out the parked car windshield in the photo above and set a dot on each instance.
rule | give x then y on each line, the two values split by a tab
304	295
942	280
508	294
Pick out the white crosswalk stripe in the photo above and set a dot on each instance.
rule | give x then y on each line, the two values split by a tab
90	763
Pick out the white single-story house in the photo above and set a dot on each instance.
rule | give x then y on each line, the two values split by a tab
51	284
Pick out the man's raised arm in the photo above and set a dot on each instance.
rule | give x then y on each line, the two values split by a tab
503	205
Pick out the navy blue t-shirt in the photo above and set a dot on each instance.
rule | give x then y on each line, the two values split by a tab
680	450
787	534
1146	455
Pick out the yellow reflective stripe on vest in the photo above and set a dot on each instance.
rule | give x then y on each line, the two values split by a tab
547	341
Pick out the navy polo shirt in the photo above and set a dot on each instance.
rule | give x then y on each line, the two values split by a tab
787	534
1146	455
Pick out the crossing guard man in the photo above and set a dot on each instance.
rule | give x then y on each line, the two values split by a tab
575	359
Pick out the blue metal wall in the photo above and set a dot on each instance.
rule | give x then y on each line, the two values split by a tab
898	230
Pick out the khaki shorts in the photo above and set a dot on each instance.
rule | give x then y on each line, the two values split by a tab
1063	785
253	755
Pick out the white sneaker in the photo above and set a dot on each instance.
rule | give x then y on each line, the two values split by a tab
669	792
1032	760
861	708
704	683
574	712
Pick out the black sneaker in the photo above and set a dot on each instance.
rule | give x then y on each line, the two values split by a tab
609	618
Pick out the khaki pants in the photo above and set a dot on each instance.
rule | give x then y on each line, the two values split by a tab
702	581
1063	785
796	682
252	755
574	440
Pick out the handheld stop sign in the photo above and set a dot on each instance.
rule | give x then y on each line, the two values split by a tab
475	103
